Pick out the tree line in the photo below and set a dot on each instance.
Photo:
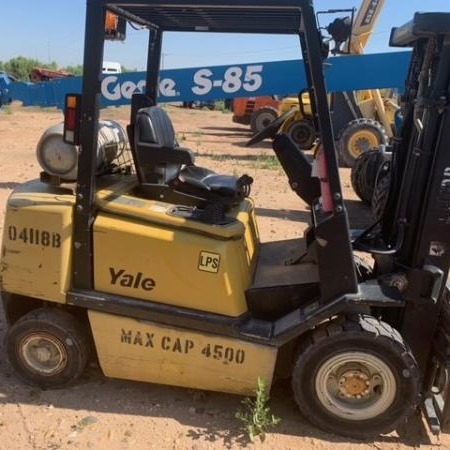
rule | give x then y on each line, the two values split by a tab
21	67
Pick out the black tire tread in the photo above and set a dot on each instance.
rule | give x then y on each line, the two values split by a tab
375	329
364	173
65	322
380	196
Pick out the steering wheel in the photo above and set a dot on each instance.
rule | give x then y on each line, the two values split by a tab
272	129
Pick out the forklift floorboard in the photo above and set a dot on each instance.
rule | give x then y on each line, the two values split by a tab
278	285
275	268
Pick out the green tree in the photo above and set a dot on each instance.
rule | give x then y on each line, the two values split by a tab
20	67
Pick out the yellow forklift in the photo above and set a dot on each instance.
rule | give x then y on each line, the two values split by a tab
154	266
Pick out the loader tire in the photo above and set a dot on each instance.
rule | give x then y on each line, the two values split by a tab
262	118
356	377
359	136
364	174
381	192
48	348
303	133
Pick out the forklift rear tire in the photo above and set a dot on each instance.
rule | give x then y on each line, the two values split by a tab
48	348
262	118
356	377
359	136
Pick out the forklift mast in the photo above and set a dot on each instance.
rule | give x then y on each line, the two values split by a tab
416	223
419	222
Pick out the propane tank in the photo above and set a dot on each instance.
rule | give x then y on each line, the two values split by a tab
59	158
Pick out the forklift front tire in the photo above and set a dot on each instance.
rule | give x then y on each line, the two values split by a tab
48	348
356	377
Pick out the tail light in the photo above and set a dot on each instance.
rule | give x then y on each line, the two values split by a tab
72	116
115	27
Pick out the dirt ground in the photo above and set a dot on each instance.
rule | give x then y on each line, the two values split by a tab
103	413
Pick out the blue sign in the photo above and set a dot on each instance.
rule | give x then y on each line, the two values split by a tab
386	70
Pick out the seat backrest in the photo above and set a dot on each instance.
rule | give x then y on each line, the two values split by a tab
154	131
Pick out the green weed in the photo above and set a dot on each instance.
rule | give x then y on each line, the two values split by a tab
255	414
6	110
216	157
267	162
219	105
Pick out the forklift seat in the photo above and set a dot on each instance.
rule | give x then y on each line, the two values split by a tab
166	170
158	155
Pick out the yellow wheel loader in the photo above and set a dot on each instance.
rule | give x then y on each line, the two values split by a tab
127	252
362	120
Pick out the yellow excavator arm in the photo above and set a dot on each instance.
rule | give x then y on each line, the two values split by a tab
364	25
369	101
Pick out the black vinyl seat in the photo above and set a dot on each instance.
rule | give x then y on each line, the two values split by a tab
166	171
207	180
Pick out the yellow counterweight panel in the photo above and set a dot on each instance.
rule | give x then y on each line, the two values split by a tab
110	201
170	265
37	237
144	351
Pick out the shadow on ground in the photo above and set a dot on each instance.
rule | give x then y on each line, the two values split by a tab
8	184
288	214
225	131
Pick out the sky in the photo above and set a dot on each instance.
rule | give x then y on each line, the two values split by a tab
53	30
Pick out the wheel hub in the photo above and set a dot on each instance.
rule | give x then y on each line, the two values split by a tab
302	133
361	142
43	353
354	384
